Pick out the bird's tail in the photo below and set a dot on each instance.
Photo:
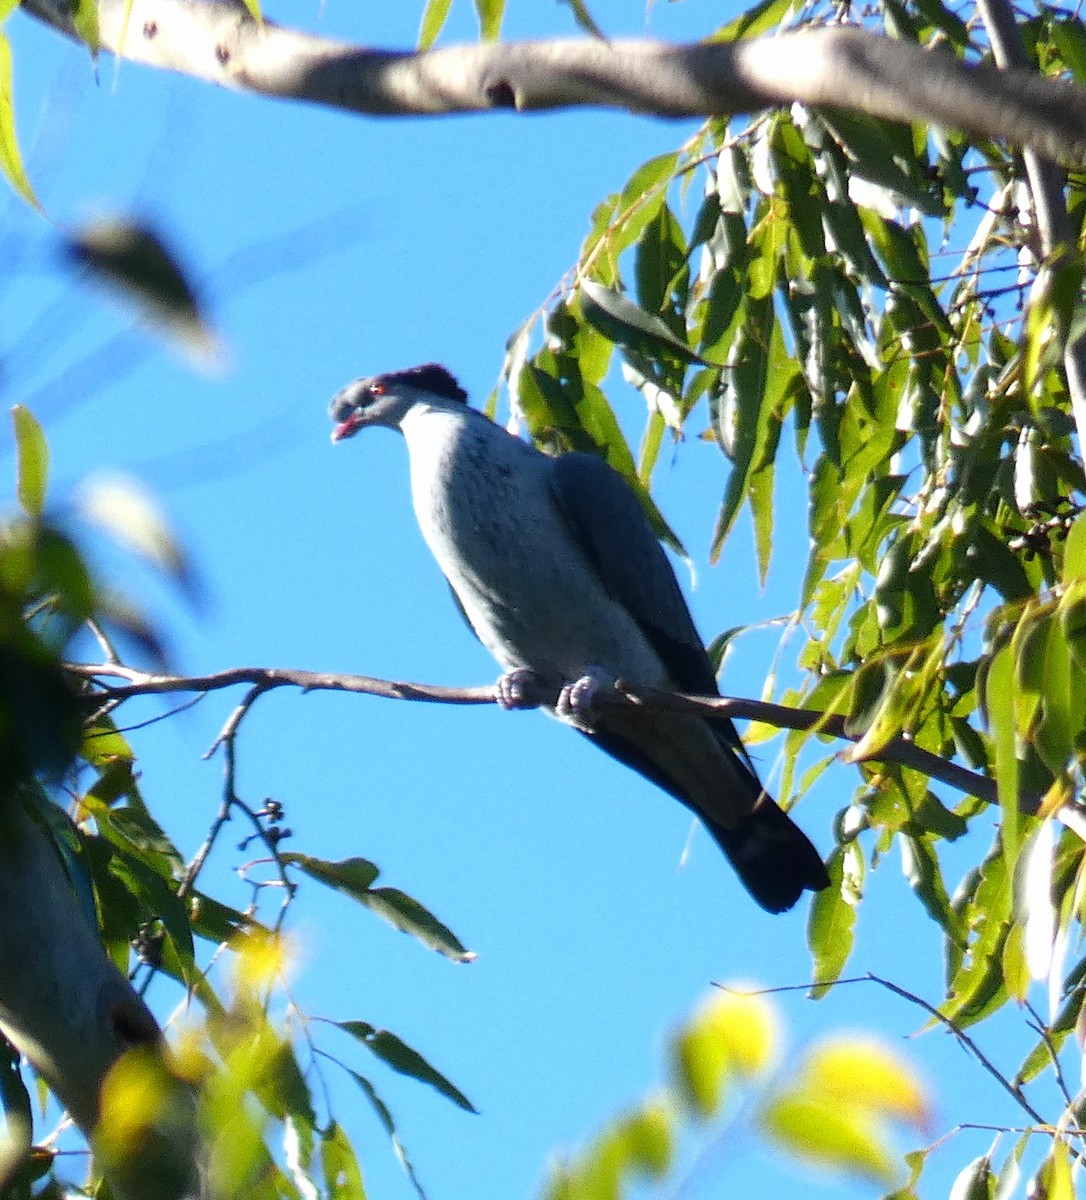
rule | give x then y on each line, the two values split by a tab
772	856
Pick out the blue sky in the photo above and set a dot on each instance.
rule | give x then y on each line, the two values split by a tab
332	246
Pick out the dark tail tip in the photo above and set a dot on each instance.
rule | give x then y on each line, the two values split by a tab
773	857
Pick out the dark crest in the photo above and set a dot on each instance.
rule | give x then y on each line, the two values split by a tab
430	377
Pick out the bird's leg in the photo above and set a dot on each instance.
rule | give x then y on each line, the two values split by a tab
523	688
576	700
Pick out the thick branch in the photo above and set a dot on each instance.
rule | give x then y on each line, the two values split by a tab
63	1003
898	750
845	67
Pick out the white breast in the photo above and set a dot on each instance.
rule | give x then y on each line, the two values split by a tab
484	505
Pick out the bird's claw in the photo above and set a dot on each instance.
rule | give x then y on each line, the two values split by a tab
519	689
577	700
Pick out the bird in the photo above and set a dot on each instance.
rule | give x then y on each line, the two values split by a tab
555	566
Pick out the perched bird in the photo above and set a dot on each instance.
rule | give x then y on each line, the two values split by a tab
557	570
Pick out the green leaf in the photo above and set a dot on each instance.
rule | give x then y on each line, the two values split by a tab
85	20
647	1140
731	1036
584	18
409	916
1074	551
434	16
975	1181
11	162
339	1165
490	13
352	876
33	462
833	1135
253	7
395	1053
1000	687
1055	1181
385	1117
1070	40
617	317
831	926
883	154
761	18
757	395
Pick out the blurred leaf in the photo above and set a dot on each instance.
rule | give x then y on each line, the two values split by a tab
868	1075
400	1057
816	1130
731	1035
1070	40
122	508
134	259
33	461
490	13
11	162
1074	551
434	16
646	1139
975	1181
1055	1181
253	7
85	20
584	18
339	1165
760	18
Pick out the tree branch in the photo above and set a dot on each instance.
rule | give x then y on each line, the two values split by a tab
840	66
898	750
1049	206
66	1007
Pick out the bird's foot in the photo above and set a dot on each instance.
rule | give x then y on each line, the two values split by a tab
577	700
522	688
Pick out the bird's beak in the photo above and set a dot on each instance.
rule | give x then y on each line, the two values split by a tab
348	427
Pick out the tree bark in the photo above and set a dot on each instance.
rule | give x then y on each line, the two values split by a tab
840	66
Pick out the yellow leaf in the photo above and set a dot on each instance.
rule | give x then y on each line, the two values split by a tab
814	1128
11	161
731	1033
863	1074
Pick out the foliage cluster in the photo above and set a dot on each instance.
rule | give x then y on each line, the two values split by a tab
863	308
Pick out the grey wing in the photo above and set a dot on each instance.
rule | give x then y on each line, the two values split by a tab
612	530
608	523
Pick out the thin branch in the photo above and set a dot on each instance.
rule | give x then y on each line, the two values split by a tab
898	750
1013	1089
845	67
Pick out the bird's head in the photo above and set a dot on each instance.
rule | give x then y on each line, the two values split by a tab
385	399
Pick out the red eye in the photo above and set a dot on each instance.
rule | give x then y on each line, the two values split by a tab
377	389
